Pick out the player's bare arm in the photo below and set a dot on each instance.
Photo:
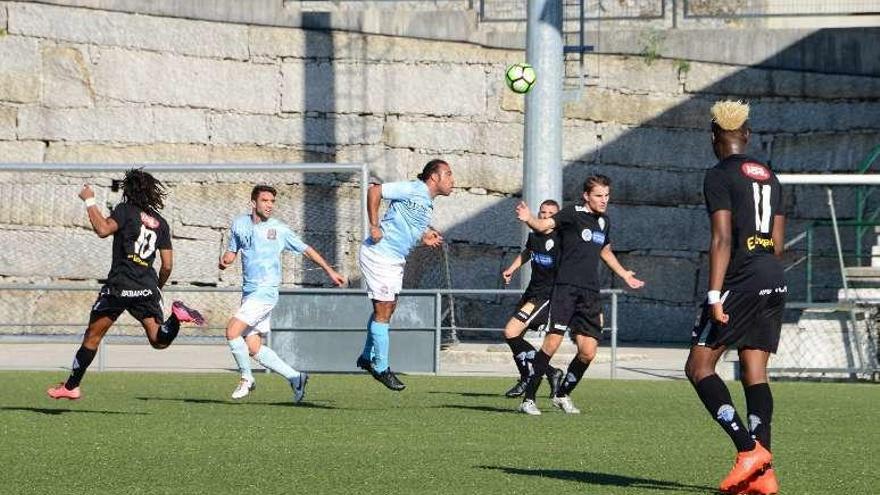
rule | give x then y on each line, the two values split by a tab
719	258
102	225
337	279
227	259
524	214
374	198
432	238
778	235
613	263
521	258
166	257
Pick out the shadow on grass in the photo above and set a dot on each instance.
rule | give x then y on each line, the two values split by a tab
668	374
606	479
467	394
55	412
303	405
477	408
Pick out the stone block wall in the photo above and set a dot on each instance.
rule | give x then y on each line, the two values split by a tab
82	85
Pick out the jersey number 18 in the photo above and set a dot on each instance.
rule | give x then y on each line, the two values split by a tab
145	245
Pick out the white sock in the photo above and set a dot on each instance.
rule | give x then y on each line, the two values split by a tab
240	354
269	359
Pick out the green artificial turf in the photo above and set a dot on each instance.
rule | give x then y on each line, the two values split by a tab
135	433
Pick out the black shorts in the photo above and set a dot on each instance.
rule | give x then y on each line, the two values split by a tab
532	310
140	303
755	321
577	310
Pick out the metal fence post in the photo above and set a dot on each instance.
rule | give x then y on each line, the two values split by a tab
438	321
102	356
613	335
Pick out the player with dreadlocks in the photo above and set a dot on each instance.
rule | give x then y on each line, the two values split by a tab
132	285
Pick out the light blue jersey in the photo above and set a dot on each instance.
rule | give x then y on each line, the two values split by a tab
261	246
406	219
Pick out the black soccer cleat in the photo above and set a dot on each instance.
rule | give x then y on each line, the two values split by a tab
365	364
390	380
518	389
554	379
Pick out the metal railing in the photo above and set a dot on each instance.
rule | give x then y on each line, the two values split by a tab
808	259
862	197
726	9
593	10
438	295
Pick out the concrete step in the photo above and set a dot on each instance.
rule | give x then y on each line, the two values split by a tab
862	295
863	275
634	362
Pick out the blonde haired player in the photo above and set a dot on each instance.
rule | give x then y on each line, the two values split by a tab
743	308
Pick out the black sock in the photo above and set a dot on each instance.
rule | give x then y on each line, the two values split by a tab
759	401
523	354
168	331
81	362
576	370
715	396
539	367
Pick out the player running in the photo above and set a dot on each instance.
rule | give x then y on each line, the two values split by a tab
743	308
542	249
584	234
139	231
261	239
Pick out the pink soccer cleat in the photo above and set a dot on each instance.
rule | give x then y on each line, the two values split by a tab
60	392
186	314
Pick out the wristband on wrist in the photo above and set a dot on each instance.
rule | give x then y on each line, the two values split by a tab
89	201
713	296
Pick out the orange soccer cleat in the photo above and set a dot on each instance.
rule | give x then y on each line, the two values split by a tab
747	465
764	483
60	392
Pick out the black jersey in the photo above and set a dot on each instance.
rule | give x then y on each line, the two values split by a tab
544	252
135	242
582	235
752	193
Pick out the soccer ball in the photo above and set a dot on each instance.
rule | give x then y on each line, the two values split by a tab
520	77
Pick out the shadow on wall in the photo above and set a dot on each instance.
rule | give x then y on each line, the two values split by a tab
319	227
801	122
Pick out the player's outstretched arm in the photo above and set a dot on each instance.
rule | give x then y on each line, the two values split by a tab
719	258
520	259
101	225
227	259
432	238
523	214
628	276
335	277
166	256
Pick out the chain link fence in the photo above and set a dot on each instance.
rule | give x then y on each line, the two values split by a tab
829	342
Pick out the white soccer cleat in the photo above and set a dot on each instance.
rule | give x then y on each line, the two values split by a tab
565	404
298	385
529	407
244	388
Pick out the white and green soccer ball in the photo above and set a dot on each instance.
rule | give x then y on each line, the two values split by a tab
520	77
